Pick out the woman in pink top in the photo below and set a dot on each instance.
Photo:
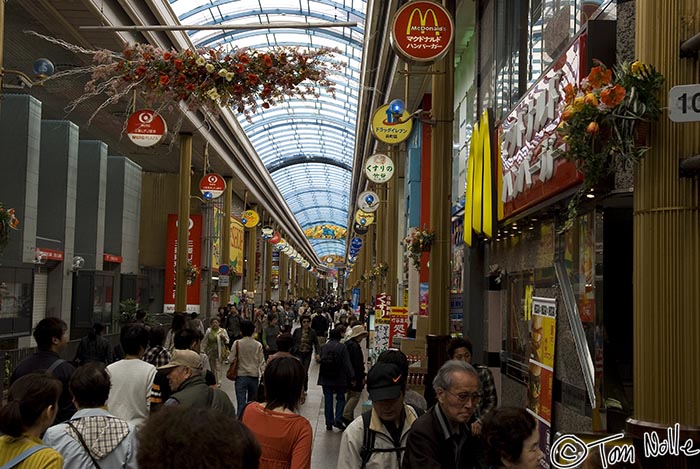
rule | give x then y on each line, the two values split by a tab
284	436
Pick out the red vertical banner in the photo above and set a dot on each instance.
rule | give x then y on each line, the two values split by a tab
194	255
398	327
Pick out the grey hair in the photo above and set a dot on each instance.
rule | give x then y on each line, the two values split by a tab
443	378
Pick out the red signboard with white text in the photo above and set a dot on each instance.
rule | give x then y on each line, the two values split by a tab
194	255
146	128
533	170
422	31
399	324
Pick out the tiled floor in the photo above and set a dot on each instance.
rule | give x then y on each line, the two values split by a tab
326	443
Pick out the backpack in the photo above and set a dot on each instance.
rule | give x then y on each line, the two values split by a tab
331	363
369	435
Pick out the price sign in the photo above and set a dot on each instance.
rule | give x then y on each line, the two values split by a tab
684	103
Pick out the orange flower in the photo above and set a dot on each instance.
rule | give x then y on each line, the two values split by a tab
591	100
252	78
599	76
167	55
268	60
569	93
164	80
568	113
613	96
593	128
244	59
178	63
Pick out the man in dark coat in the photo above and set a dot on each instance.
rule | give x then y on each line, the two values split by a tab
334	373
357	359
51	335
441	438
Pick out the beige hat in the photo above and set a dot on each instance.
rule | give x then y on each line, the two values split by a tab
358	331
188	358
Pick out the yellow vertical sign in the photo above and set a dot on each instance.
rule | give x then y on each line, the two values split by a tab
236	251
478	202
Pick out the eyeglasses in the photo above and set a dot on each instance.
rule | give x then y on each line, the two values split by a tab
474	397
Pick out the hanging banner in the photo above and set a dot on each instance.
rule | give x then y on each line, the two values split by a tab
194	255
423	299
541	369
236	249
217	236
382	311
399	323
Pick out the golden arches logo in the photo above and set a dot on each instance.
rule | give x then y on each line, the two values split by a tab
422	20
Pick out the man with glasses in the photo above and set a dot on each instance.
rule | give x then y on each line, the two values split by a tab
441	438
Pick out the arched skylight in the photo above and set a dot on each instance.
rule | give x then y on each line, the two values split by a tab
307	145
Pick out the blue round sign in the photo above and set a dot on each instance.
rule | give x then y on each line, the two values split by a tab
224	269
356	243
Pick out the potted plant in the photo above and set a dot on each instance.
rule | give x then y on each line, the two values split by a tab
8	222
605	122
418	242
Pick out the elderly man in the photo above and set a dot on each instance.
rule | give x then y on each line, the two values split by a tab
186	379
441	438
81	440
377	439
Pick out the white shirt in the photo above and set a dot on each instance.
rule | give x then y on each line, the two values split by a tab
131	386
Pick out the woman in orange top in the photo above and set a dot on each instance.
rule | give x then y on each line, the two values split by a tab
284	436
31	408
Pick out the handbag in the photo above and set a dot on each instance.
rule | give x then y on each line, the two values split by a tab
232	372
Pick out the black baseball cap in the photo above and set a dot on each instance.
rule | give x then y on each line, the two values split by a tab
384	382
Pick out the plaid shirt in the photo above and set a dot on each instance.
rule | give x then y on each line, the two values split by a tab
489	400
157	356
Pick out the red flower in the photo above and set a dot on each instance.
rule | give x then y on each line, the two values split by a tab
167	55
190	87
181	79
599	77
613	96
268	60
240	68
141	70
252	78
147	56
127	53
244	59
266	105
227	58
237	89
178	63
164	80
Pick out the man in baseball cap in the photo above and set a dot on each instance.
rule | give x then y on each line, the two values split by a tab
389	422
185	377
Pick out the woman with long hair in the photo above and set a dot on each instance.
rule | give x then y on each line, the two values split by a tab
284	436
32	404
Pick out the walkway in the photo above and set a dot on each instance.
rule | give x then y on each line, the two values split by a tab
326	443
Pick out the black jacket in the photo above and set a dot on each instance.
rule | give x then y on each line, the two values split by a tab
344	373
427	447
357	360
194	392
297	341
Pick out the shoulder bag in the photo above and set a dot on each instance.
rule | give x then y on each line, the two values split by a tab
232	372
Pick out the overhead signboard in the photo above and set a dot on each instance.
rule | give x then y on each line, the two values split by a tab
368	201
422	31
391	128
250	218
212	186
146	128
364	218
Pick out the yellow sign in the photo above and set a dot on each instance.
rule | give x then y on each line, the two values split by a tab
236	253
390	128
478	201
250	218
364	218
399	310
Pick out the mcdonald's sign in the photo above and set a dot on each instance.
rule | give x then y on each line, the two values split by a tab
422	31
480	205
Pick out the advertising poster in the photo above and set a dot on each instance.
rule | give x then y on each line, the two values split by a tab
381	337
236	249
275	275
541	367
355	299
423	299
382	305
456	313
216	236
194	255
399	323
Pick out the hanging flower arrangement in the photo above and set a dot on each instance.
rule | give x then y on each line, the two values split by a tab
191	272
418	242
8	222
605	121
204	79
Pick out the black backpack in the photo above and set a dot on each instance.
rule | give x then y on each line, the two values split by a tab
331	363
370	435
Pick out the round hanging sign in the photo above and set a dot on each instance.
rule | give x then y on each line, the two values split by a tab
250	218
275	238
391	128
212	186
422	31
356	243
359	229
146	128
379	168
364	218
368	201
267	232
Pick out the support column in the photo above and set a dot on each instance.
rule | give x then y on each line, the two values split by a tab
380	236
267	277
440	191
392	209
667	243
183	220
226	239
